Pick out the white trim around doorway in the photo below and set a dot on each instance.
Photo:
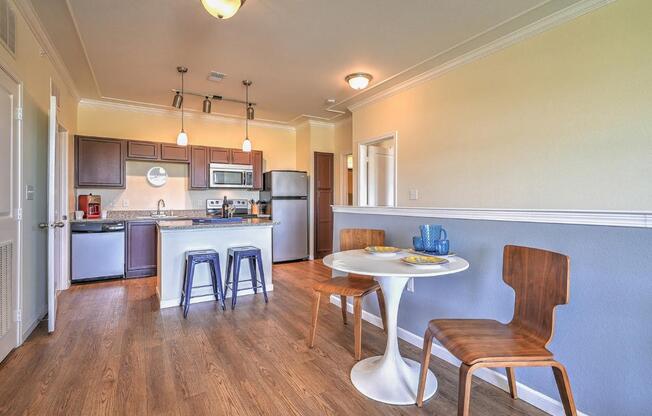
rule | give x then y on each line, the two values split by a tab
362	172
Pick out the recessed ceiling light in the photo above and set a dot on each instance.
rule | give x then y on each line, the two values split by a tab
330	101
359	80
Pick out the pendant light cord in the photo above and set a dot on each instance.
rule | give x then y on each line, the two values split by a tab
247	114
182	103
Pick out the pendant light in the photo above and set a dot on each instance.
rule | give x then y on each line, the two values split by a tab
222	9
182	137
246	144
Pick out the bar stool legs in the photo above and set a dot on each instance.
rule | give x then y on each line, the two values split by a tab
235	257
192	259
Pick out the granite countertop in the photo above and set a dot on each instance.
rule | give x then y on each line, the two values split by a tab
167	225
178	216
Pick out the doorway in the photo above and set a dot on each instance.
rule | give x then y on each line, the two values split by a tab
10	148
346	181
323	214
377	171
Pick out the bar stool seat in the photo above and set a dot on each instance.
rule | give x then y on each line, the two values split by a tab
193	258
235	256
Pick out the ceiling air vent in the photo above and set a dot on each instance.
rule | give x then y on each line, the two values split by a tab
8	26
216	76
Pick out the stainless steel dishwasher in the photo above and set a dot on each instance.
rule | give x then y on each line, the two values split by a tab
98	250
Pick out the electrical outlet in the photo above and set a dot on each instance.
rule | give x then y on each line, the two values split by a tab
414	194
410	285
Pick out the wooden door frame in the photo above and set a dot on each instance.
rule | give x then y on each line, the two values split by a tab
362	163
314	199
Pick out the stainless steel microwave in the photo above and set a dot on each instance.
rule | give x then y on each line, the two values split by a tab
231	176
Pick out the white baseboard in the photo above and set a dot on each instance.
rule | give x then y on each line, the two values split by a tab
32	326
172	303
525	393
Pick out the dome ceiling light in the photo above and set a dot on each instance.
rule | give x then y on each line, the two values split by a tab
222	9
358	80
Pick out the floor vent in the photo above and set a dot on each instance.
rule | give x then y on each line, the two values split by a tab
8	26
6	257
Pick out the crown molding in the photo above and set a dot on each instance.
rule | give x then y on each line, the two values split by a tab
34	24
636	219
168	112
558	18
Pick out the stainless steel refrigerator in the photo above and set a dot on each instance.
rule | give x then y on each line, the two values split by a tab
286	195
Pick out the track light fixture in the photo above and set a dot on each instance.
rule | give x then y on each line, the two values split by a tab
177	100
206	107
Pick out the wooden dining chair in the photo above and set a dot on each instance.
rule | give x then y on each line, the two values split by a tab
540	280
355	286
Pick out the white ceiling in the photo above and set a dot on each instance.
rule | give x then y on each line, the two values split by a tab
297	52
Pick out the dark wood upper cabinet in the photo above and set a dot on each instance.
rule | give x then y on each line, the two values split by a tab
174	153
257	162
238	157
100	162
220	155
141	249
198	170
143	150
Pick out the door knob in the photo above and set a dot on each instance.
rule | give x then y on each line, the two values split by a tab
43	225
59	224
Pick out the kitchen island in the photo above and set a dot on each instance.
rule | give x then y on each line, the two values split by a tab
177	237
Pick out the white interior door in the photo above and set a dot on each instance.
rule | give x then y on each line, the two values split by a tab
61	229
380	176
9	213
52	173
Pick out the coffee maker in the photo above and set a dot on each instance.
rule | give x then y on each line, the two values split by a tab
91	205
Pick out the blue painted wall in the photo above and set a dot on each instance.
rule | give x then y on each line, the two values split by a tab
603	336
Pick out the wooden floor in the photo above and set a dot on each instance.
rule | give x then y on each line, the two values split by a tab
115	352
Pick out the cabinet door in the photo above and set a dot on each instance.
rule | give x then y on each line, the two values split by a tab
174	153
257	162
142	150
198	170
220	155
99	162
141	248
239	157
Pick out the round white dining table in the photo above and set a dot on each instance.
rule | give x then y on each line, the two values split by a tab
390	378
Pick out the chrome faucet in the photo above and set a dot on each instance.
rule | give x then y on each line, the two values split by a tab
158	206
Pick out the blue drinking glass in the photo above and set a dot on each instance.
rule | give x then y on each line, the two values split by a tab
417	243
443	247
430	234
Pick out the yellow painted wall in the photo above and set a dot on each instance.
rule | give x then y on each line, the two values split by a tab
343	136
559	121
278	145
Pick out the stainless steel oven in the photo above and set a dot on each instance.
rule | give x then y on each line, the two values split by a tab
231	176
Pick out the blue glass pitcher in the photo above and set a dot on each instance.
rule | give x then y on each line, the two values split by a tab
430	235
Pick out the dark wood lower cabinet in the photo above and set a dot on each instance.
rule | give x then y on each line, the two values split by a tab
141	256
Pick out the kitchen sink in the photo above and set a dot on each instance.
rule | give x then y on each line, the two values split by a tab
160	217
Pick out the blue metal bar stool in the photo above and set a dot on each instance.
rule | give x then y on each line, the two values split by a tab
193	258
236	255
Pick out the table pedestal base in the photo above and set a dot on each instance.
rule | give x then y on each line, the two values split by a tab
390	381
391	378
